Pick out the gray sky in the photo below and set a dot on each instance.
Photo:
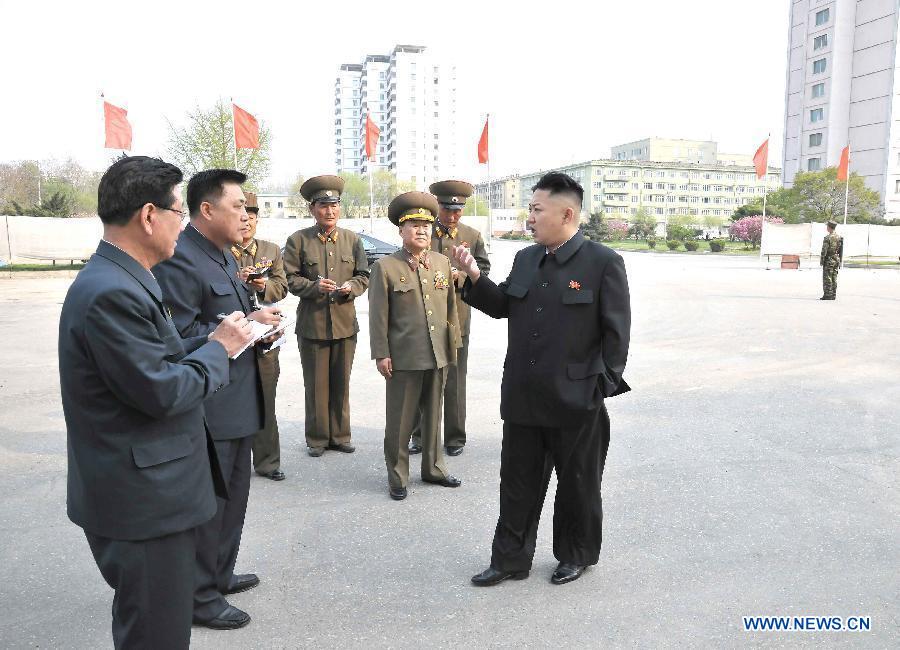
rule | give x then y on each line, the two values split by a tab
563	83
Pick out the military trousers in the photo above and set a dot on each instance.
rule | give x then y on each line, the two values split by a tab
529	456
153	581
266	445
414	395
829	278
219	539
454	401
326	377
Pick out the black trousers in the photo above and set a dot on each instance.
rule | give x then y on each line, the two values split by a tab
154	583
219	539
529	455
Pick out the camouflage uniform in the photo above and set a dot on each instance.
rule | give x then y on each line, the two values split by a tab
830	259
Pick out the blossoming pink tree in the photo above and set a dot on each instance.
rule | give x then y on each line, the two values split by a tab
749	229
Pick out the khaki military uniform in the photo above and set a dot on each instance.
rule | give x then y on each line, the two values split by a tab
830	259
443	241
413	320
266	444
326	325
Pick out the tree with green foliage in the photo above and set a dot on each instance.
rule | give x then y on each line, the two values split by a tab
475	206
66	189
595	229
818	197
207	142
643	225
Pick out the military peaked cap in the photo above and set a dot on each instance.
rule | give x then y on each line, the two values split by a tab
251	203
326	189
421	206
452	194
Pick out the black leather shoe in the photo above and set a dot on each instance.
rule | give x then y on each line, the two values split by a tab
492	576
275	475
398	493
231	619
315	452
454	450
566	572
344	447
414	447
241	583
447	481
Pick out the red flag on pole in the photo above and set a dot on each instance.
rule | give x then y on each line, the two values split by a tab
246	129
761	159
844	165
118	128
372	133
483	144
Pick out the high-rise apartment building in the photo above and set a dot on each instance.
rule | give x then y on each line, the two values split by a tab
841	89
411	97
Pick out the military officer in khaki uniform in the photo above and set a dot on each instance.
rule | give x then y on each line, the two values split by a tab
263	270
414	334
326	267
449	232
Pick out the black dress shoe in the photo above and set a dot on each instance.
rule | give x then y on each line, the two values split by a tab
231	619
492	576
414	447
344	447
447	481
315	452
566	572
275	475
398	493
454	450
241	583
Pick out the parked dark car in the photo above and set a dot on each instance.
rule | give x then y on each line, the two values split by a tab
375	248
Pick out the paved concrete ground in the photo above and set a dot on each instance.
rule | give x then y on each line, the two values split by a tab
753	470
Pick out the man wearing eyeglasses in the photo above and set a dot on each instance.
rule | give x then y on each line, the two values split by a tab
140	468
326	267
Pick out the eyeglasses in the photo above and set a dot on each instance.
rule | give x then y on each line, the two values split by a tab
182	213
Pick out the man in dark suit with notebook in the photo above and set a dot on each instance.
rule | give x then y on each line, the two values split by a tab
200	282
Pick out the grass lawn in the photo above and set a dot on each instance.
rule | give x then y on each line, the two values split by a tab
42	267
731	248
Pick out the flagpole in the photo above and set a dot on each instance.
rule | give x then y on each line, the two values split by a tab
233	131
847	194
490	210
765	179
38	163
371	199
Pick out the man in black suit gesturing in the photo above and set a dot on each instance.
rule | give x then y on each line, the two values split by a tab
569	326
200	282
140	478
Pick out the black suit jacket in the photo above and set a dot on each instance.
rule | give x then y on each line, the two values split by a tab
199	282
569	327
139	462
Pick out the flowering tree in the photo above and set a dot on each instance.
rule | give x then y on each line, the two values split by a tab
749	229
616	230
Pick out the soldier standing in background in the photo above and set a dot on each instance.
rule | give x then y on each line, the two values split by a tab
830	259
263	271
326	267
449	232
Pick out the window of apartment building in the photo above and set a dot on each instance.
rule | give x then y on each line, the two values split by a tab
660	174
814	164
818	90
819	66
649	186
695	199
896	187
682	199
671	186
435	114
815	139
597	185
706	188
598	197
670	198
268	204
822	16
634	199
660	211
635	172
635	186
820	41
817	115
